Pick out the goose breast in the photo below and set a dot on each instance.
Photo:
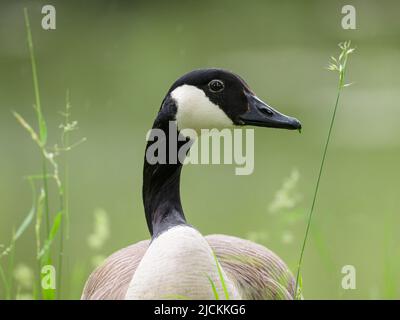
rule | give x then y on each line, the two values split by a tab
257	272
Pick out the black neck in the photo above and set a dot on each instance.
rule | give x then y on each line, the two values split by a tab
161	181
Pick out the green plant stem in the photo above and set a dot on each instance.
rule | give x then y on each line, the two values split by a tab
38	109
5	283
66	167
318	182
39	282
46	195
42	128
11	267
61	249
63	199
339	65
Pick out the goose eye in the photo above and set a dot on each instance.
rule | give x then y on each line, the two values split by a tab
216	86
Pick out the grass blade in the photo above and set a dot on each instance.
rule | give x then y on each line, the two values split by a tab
214	289
25	224
221	278
5	283
39	114
340	66
21	229
38	108
53	232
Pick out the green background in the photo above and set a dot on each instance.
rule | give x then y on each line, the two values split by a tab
118	59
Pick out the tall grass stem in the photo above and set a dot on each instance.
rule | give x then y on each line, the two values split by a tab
39	115
339	65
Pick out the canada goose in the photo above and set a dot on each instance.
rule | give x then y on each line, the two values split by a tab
178	261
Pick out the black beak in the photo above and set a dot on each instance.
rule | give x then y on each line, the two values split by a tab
262	115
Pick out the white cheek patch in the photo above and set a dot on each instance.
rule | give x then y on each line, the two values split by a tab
196	111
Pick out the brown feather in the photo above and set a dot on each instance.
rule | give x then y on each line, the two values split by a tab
257	272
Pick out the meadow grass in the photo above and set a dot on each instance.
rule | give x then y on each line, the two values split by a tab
56	223
221	279
338	65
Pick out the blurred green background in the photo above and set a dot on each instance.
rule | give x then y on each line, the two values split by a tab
118	59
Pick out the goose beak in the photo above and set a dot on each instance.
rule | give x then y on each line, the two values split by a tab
261	114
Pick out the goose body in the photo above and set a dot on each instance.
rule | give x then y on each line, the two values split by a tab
184	254
178	261
256	272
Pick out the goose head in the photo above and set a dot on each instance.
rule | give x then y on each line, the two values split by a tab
216	98
201	99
